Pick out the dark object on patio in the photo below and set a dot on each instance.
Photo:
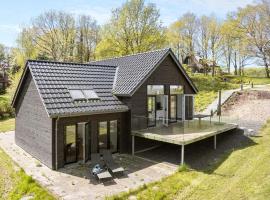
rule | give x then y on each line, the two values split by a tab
100	170
114	167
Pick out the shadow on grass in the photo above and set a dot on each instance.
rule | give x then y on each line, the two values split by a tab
201	156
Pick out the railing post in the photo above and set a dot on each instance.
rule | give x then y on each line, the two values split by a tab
215	141
133	145
182	154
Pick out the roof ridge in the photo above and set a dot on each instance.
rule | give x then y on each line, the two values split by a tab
70	63
135	54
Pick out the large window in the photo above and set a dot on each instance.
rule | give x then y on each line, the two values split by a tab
173	110
70	144
155	89
151	109
103	135
176	89
113	135
108	132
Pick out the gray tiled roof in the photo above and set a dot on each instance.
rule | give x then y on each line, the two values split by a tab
53	79
132	69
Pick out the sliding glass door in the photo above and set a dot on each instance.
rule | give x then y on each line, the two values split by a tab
173	108
151	108
103	135
70	144
108	135
113	136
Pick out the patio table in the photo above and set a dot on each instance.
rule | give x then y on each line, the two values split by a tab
200	116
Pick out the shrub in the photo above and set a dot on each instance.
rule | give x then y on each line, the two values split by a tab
5	108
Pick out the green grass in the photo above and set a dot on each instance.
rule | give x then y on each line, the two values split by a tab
15	184
239	174
4	97
208	89
7	125
209	86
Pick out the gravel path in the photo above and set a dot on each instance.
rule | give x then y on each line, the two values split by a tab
249	109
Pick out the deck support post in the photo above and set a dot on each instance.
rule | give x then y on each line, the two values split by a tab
215	141
182	154
133	145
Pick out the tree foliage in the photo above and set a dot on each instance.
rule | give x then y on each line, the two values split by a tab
134	27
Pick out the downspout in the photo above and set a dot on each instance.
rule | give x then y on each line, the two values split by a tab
56	140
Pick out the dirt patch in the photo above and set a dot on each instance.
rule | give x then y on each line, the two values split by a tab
240	97
249	109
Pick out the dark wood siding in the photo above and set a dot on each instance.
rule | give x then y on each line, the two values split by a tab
33	130
167	73
93	120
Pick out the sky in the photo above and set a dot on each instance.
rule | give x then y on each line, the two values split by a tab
15	14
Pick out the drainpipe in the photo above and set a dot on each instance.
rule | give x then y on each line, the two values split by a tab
56	147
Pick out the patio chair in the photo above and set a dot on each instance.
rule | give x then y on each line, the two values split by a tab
114	167
104	175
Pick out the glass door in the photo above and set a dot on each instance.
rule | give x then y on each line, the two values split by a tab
173	108
151	109
165	110
113	136
70	144
103	135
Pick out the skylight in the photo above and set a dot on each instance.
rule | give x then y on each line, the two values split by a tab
83	94
90	94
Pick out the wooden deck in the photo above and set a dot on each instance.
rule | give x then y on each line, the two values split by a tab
185	133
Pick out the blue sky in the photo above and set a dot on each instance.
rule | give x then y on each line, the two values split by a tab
14	14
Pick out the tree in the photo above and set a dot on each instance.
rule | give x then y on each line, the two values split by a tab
87	38
26	47
204	36
182	35
134	27
228	42
2	52
215	41
253	21
54	35
176	40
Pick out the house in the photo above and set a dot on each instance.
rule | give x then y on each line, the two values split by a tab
199	64
66	111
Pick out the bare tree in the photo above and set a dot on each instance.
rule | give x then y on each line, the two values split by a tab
87	38
204	36
253	21
215	42
54	35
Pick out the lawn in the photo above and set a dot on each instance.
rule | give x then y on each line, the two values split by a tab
209	86
208	89
243	173
15	184
7	125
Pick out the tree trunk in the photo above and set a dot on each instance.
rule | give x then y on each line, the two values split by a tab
229	64
235	64
266	67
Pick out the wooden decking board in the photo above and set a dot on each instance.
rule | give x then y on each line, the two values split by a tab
192	132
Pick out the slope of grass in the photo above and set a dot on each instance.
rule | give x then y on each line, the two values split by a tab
7	125
208	88
15	184
244	174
